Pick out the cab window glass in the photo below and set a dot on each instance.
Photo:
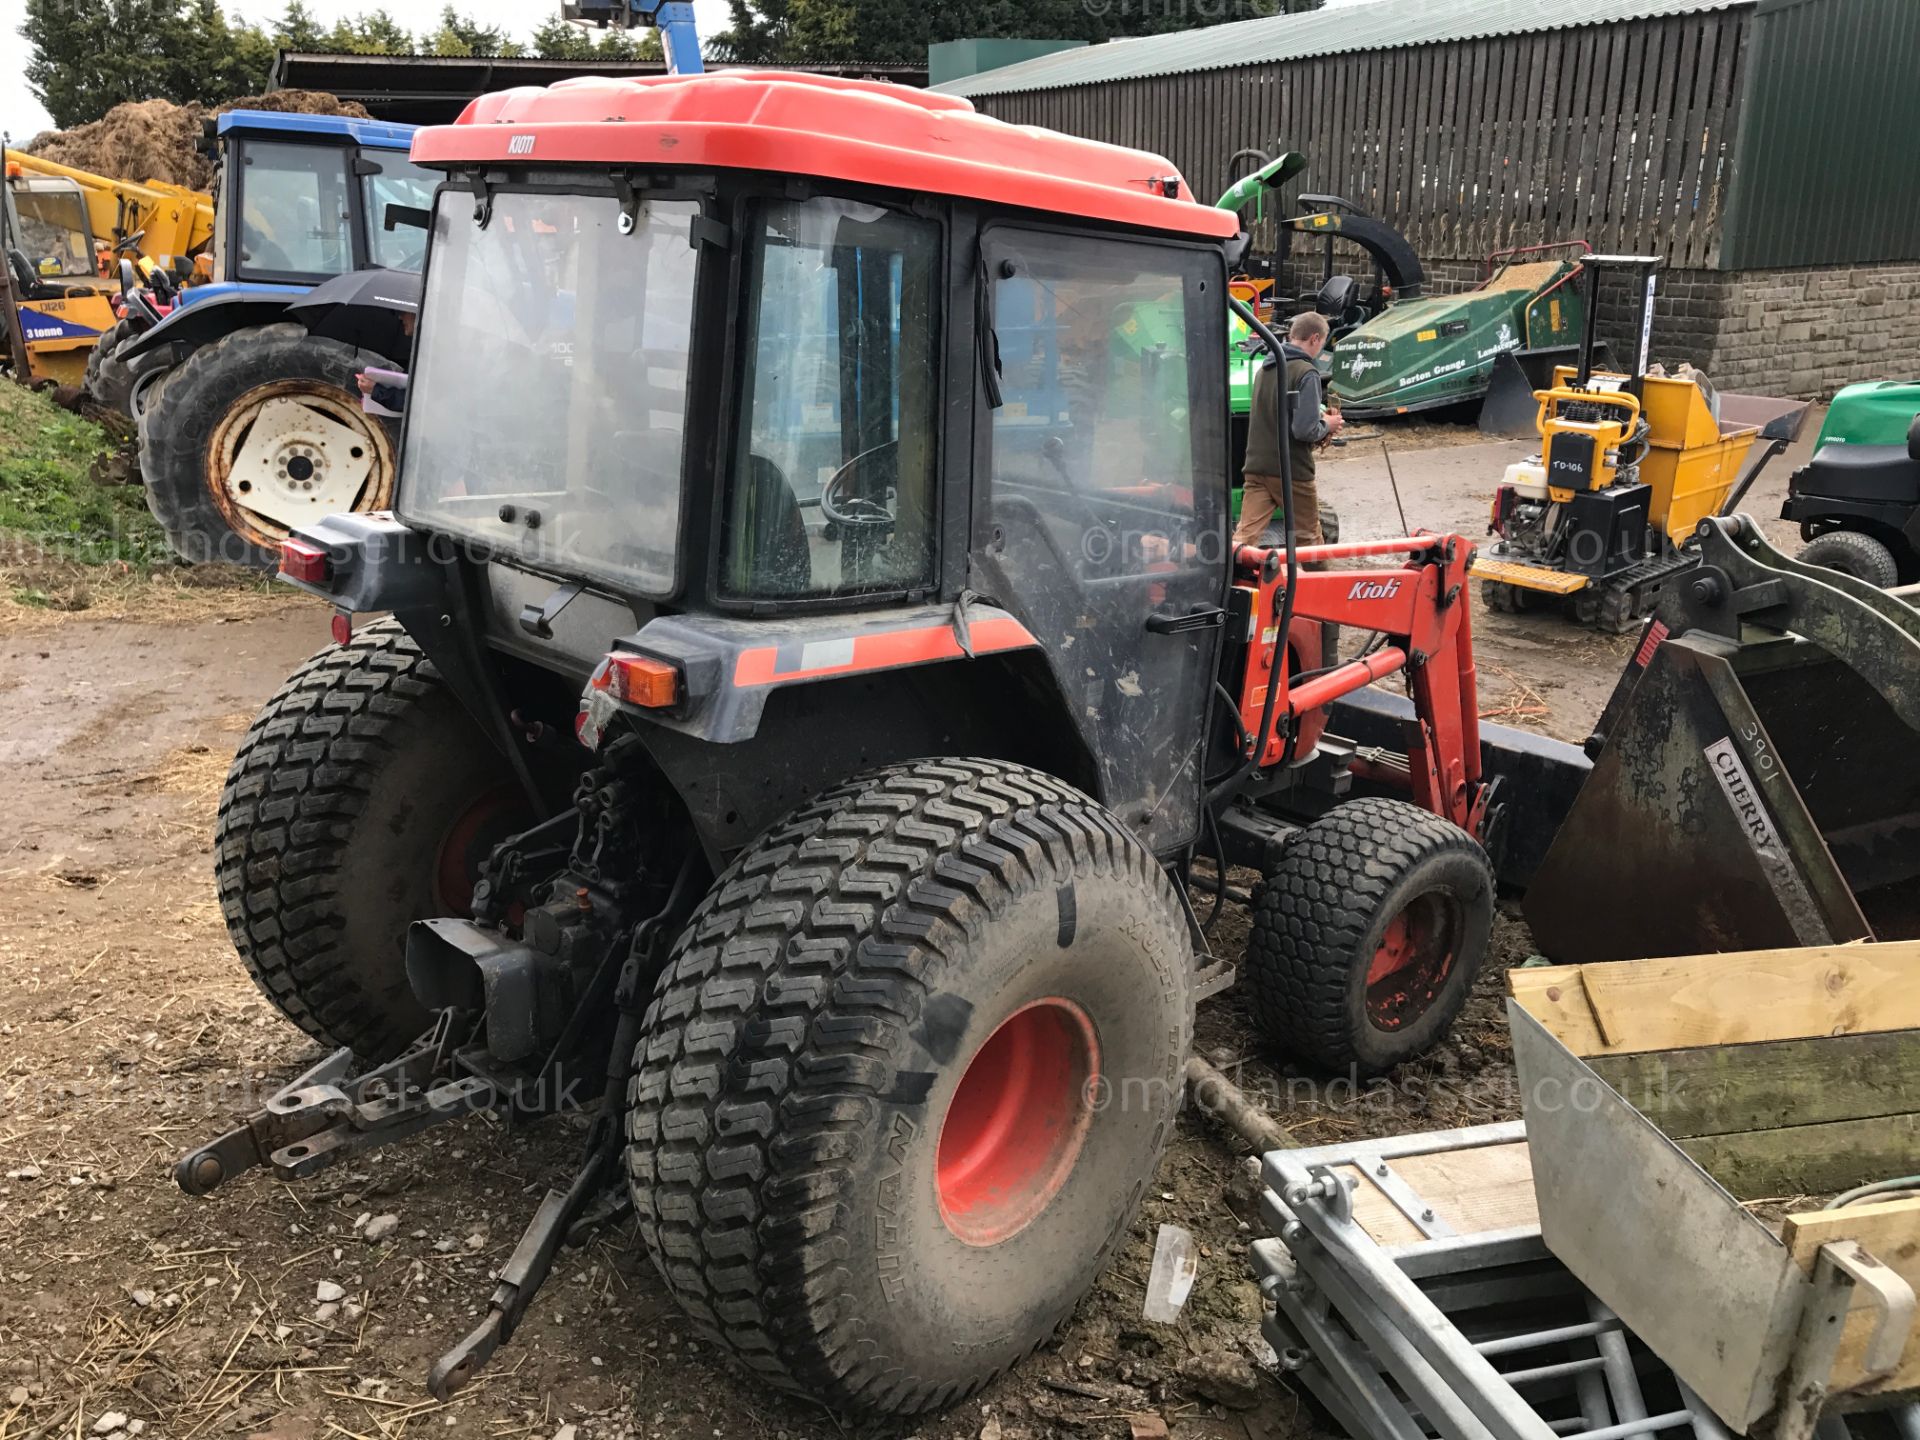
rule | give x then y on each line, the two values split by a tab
294	215
1096	428
832	485
399	183
53	228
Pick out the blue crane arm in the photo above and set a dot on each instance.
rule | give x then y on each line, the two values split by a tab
672	18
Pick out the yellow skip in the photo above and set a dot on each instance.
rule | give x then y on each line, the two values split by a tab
1528	577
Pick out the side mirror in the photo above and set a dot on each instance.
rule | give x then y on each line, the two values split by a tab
1237	249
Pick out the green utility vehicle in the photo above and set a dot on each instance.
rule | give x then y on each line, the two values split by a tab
1857	502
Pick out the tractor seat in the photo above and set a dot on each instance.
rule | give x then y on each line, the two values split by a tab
1885	473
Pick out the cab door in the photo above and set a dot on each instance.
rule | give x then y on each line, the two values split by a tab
1101	495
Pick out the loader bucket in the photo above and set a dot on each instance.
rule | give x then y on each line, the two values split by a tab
1755	784
1510	408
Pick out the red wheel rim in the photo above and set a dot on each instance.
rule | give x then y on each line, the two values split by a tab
1015	1125
500	812
1415	956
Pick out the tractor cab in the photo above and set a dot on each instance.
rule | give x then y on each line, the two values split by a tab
302	198
54	304
813	425
48	237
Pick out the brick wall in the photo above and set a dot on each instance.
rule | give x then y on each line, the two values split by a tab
1807	332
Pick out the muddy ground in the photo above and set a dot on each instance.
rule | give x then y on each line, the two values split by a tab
130	1032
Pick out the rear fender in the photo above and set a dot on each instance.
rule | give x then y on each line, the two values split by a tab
729	667
191	327
811	737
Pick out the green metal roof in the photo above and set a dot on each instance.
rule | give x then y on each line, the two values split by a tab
1378	25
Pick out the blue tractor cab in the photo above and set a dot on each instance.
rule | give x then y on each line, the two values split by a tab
248	424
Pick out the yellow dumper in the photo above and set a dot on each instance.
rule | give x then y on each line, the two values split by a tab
1629	464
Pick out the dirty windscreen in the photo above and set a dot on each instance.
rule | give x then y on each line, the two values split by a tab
295	220
53	231
547	412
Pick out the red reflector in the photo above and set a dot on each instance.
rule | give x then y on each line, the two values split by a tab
342	627
1657	633
303	562
637	680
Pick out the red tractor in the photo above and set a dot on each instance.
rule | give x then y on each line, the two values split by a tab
816	665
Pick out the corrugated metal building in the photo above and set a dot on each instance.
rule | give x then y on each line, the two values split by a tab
1729	137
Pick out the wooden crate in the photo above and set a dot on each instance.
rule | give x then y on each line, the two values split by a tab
1784	1074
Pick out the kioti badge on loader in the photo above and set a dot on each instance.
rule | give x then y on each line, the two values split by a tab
924	708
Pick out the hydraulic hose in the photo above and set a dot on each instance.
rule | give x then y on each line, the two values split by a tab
1901	1186
1236	780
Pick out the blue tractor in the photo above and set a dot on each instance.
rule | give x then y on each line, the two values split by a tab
249	424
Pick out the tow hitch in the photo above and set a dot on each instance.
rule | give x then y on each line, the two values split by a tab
327	1114
451	1071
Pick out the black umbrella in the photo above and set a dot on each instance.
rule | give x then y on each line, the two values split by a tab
364	308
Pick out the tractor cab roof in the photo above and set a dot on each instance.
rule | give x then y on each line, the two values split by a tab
856	131
372	134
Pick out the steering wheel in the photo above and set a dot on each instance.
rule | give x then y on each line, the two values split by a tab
845	509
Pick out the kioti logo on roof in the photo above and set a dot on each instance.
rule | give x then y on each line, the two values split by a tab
520	145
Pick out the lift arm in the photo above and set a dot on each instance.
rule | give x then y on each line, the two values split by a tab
672	18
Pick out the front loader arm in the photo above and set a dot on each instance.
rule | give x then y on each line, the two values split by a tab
1418	609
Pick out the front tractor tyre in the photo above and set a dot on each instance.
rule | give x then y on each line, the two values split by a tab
905	1079
256	433
363	798
1368	934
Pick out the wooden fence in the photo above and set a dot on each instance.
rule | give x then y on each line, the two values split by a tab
1618	134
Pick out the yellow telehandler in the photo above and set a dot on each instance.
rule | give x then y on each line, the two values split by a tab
64	233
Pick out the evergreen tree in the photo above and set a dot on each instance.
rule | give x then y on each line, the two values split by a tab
296	29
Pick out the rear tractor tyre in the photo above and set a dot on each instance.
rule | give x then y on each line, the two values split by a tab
1855	554
108	381
1368	934
906	1078
362	799
258	432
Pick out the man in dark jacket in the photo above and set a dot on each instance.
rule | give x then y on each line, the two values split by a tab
1311	425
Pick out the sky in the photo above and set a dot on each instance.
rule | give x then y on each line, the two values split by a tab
21	116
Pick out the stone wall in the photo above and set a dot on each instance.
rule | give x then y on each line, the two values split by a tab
1800	333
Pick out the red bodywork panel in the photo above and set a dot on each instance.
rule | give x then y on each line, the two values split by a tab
1422	609
861	132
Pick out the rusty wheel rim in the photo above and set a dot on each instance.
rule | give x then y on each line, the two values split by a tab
230	436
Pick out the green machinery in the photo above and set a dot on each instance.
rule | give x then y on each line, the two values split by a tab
1857	502
1398	349
1422	353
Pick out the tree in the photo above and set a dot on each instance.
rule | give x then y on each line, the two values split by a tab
461	35
296	29
888	31
555	39
211	61
374	33
83	60
760	33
